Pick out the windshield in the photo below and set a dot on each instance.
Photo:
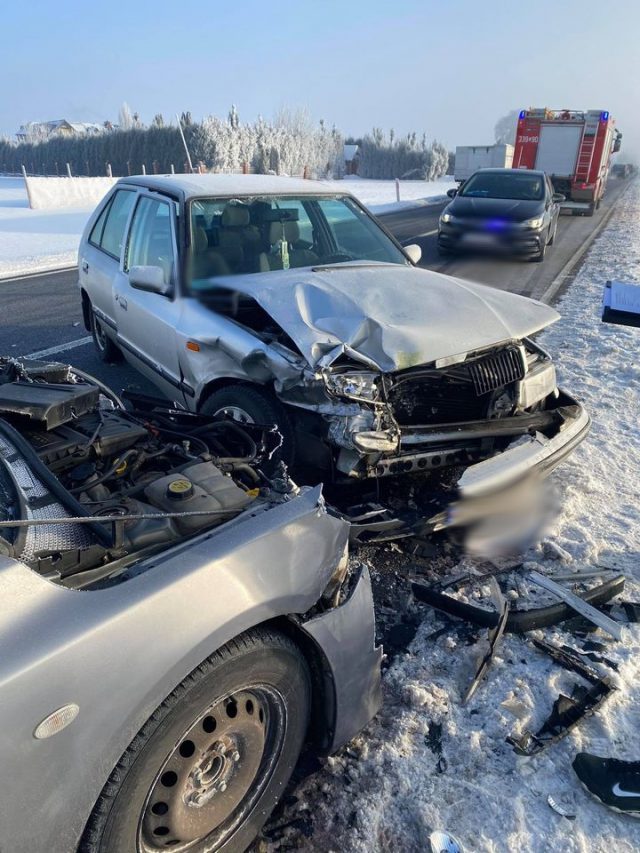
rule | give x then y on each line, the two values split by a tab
265	233
514	185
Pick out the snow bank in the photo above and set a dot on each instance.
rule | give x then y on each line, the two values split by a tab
34	240
390	788
53	193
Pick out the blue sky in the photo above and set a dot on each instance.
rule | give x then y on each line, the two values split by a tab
447	68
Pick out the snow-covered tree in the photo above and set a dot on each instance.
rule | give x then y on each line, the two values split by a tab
125	117
505	129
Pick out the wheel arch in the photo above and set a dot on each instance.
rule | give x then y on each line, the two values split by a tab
86	309
225	382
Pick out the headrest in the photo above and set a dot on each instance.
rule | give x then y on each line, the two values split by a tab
291	232
200	241
234	216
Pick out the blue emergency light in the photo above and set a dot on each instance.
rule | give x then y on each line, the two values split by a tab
522	113
604	116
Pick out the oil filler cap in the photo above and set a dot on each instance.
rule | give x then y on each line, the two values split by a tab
180	490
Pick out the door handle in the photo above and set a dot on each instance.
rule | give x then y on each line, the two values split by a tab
85	266
122	302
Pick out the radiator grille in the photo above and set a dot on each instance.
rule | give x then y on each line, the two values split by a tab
496	371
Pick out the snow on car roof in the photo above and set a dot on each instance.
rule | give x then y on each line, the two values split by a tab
194	186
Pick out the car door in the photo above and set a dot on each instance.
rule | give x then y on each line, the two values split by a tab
146	320
101	253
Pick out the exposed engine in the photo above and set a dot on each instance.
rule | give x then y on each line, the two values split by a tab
134	478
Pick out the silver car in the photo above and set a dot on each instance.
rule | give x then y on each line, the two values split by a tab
174	624
284	301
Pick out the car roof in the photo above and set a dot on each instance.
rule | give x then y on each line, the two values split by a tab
536	172
197	186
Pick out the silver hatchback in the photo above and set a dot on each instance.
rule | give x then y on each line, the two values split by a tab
277	300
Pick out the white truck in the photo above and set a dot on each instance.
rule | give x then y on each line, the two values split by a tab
470	158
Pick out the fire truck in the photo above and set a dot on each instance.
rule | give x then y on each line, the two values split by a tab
574	148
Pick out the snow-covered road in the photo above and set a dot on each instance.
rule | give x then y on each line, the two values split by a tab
390	788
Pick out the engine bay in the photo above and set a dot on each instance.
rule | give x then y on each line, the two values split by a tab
86	480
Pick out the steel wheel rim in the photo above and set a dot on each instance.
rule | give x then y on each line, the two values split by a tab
216	773
236	413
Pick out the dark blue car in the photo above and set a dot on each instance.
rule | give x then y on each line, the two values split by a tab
513	210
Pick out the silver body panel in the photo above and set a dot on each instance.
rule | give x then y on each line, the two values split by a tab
117	652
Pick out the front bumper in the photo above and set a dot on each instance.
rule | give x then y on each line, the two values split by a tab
472	237
552	434
539	455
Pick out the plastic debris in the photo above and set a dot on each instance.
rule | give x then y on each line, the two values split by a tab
560	808
443	842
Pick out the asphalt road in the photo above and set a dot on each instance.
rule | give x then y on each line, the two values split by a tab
41	314
523	277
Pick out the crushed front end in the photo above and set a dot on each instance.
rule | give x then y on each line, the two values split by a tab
455	413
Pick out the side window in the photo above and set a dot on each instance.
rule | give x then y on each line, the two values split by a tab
114	221
150	239
96	232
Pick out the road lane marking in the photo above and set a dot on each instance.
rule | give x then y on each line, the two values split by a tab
45	353
42	273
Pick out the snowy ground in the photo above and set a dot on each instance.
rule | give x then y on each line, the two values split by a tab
391	787
36	240
40	240
381	195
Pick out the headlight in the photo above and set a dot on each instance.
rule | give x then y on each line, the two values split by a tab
533	223
379	441
359	386
446	217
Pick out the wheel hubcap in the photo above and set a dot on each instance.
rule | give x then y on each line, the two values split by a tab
216	773
235	413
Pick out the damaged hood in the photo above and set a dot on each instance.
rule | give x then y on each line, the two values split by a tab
389	316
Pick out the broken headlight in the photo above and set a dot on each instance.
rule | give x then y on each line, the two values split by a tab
355	386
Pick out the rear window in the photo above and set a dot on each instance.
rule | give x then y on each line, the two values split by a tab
108	232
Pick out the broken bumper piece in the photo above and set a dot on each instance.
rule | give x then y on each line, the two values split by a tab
519	621
540	454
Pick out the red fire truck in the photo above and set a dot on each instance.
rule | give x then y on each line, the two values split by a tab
574	148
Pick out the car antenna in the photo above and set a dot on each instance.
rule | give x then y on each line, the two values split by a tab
184	142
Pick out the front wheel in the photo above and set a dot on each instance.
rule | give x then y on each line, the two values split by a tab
208	767
253	405
107	351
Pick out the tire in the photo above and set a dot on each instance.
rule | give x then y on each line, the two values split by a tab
249	404
206	770
107	351
539	258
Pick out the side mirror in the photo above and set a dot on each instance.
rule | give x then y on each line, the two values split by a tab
150	279
452	193
558	198
414	252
